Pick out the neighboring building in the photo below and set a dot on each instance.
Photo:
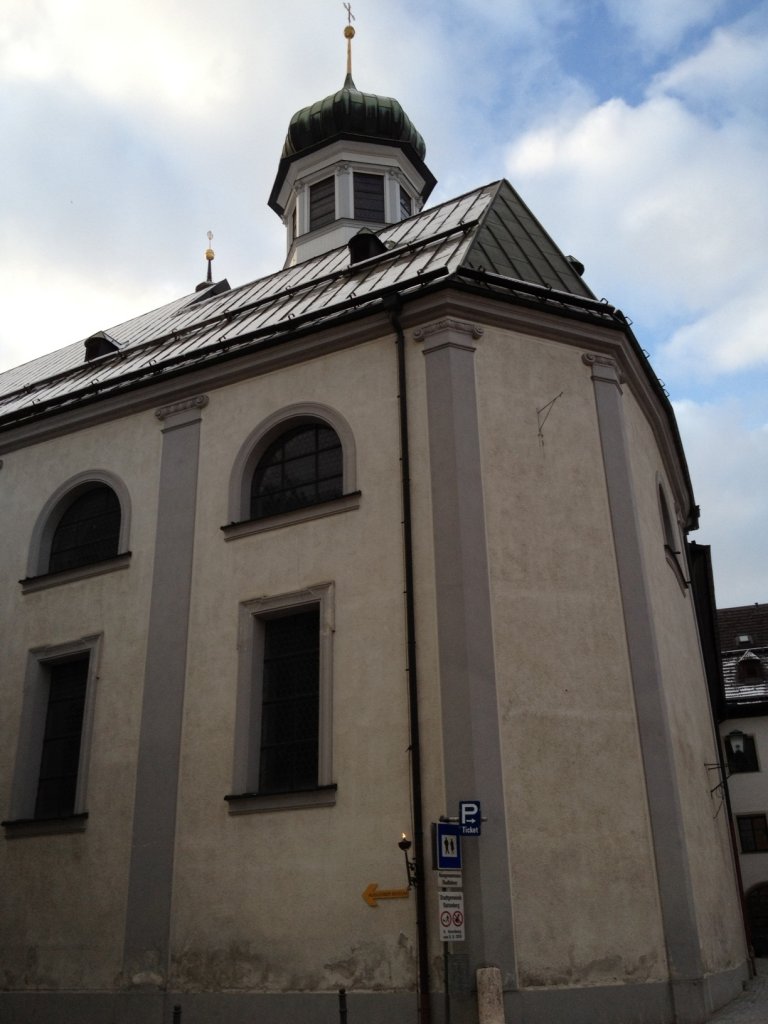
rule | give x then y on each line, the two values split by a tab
295	567
744	731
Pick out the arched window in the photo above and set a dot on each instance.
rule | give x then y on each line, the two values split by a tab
88	530
299	463
302	466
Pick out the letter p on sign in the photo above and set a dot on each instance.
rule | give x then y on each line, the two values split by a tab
469	817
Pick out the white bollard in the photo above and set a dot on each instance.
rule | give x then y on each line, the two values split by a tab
490	996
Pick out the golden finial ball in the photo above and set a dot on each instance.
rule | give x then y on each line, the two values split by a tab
209	254
349	32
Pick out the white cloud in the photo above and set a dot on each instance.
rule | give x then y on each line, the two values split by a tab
138	52
733	337
727	460
731	69
668	211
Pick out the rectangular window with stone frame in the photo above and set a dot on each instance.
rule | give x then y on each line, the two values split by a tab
322	203
753	833
48	792
369	197
284	728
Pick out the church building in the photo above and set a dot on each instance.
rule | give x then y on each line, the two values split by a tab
315	585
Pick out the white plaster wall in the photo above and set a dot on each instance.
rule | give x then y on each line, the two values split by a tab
749	794
693	734
61	921
273	901
585	901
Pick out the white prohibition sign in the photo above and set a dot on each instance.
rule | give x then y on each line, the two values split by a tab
451	907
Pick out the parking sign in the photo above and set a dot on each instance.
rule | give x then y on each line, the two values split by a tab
470	818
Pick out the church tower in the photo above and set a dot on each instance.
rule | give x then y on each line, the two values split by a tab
350	161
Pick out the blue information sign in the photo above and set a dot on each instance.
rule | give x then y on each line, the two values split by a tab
448	838
470	819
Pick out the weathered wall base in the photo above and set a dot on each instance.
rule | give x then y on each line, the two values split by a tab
203	1008
630	1004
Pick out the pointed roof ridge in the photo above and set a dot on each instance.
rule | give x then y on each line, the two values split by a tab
512	242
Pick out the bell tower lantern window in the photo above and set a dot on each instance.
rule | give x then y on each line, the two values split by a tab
322	203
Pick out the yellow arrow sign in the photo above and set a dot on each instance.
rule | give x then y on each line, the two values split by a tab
373	893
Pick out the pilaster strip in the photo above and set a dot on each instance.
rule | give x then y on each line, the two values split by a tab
471	737
148	912
669	840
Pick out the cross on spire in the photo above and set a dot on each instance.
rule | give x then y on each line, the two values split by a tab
349	34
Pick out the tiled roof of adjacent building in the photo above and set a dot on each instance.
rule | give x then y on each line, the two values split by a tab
744	644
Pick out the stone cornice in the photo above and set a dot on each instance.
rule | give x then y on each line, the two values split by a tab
193	404
604	368
448	331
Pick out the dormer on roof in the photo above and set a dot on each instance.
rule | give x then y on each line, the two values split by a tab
351	160
100	344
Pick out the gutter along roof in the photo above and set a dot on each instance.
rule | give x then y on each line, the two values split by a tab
486	239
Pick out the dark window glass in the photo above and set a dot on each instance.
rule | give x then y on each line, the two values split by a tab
757	908
369	197
290	703
753	833
744	760
302	467
405	204
666	523
322	203
57	782
89	530
750	669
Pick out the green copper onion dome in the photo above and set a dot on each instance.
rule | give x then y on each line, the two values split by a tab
351	112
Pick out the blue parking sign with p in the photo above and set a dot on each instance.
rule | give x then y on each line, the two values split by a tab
470	818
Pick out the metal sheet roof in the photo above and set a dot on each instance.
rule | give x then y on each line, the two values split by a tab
487	230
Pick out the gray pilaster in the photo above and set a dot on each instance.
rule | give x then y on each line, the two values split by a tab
148	913
471	738
669	840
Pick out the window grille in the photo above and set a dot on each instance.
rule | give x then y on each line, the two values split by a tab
57	781
290	703
88	531
322	203
405	204
302	467
369	197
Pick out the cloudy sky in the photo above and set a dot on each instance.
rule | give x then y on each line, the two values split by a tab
637	130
